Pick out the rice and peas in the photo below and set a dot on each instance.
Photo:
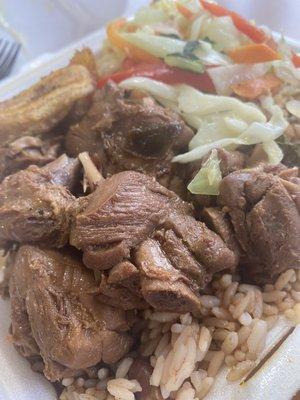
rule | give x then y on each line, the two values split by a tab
187	353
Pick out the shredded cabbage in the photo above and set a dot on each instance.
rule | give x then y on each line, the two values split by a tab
208	179
220	121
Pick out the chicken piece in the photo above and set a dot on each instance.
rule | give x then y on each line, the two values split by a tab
263	208
130	217
121	288
55	313
36	203
123	211
129	134
41	107
218	221
27	151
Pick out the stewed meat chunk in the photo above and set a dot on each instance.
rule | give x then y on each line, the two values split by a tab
27	151
129	133
130	217
122	212
36	203
55	313
263	208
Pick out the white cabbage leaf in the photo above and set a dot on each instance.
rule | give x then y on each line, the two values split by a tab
158	46
223	33
158	90
196	27
273	151
162	47
193	101
208	179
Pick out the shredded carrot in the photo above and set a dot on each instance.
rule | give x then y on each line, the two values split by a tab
186	12
131	51
253	53
253	88
242	24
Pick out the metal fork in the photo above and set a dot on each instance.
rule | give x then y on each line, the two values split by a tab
8	54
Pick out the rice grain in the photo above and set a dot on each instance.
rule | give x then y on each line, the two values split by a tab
124	367
163	316
163	343
243	334
209	301
230	361
220	334
275	295
185	393
257	338
229	293
243	304
215	363
239	355
118	391
284	279
67	381
103	373
245	319
269	309
238	371
206	386
230	343
225	280
295	295
197	378
157	372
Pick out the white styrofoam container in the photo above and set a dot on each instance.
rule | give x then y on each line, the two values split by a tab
277	380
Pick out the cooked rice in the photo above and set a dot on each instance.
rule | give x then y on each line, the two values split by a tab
187	353
124	367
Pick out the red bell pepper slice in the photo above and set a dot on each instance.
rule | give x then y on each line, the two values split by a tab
162	73
242	24
185	11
